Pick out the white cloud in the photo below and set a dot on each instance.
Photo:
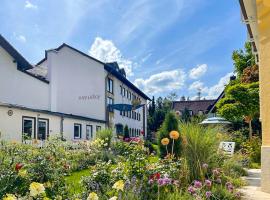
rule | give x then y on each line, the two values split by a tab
165	81
106	51
215	90
198	71
210	92
20	38
145	58
197	85
29	5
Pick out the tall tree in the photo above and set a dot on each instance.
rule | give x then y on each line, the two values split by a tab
241	101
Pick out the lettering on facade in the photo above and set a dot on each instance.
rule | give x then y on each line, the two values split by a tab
89	97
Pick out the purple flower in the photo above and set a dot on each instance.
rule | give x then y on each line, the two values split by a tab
191	190
208	194
208	183
229	186
160	182
197	184
205	166
176	183
151	181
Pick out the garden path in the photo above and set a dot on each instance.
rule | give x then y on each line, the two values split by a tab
253	190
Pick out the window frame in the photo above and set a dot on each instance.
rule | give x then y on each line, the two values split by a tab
80	131
91	136
98	127
33	119
47	127
110	85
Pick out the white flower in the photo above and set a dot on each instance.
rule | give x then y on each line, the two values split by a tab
113	198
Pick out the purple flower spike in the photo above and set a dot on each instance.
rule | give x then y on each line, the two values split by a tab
208	194
197	184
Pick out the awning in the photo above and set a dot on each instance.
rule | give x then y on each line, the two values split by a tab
215	120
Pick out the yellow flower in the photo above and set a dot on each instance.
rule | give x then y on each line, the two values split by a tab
119	185
36	189
22	173
10	197
92	196
174	135
113	198
165	141
46	198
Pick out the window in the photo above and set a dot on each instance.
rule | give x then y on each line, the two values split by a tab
190	112
110	102
139	117
127	93
130	95
98	128
121	90
124	91
121	112
129	114
110	85
43	129
89	132
28	127
124	113
77	131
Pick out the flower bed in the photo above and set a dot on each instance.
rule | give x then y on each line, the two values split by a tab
114	170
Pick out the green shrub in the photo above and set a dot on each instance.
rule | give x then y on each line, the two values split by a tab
106	135
126	132
252	148
170	123
200	146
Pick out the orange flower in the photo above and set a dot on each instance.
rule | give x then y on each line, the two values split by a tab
165	141
174	135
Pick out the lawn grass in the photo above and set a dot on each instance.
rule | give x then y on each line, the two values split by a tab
73	181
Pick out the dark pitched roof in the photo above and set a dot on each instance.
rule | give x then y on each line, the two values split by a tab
53	113
110	67
22	63
213	106
195	106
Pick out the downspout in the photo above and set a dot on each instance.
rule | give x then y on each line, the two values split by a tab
62	127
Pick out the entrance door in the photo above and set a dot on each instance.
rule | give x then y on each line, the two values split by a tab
43	129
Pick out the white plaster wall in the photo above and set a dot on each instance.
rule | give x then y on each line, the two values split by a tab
68	131
11	126
72	76
19	88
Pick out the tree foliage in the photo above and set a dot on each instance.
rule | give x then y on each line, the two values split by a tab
250	74
243	58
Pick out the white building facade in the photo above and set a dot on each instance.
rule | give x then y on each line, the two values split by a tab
70	97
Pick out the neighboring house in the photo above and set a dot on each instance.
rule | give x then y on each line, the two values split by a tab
66	93
195	107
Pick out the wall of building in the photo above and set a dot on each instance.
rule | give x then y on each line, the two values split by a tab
77	84
19	88
11	126
68	130
119	99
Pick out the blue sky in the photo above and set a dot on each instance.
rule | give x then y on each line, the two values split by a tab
165	46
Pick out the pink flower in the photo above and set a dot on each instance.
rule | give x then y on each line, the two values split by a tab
216	172
208	183
229	186
191	190
197	184
208	194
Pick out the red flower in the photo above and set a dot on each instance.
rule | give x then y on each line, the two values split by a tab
157	175
18	166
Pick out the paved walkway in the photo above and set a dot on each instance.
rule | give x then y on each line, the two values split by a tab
253	190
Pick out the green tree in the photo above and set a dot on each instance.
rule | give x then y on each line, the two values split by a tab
243	58
185	115
126	132
170	123
241	101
